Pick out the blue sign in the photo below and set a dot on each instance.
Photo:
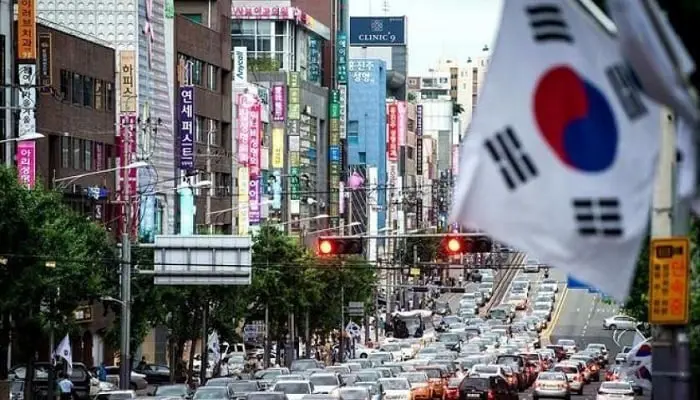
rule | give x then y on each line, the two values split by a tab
334	153
313	74
311	153
378	31
277	191
573	283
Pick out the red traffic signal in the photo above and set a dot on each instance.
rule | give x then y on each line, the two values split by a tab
455	245
339	246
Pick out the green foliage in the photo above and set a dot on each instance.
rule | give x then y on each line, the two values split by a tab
263	64
411	97
457	109
637	304
37	227
428	249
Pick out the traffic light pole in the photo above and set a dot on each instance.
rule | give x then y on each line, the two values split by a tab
341	352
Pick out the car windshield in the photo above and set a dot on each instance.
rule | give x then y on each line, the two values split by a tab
119	396
353	393
390	347
210	393
267	373
324	380
566	369
616	386
266	396
549	282
395	384
542	306
418	377
475	383
171	390
366	376
243	387
292	387
369	385
551	376
448	338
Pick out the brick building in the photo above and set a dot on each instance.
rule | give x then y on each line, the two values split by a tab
203	42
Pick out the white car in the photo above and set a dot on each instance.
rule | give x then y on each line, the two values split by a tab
531	266
545	296
324	383
294	389
615	391
396	388
549	285
394	349
543	310
487	371
569	345
620	322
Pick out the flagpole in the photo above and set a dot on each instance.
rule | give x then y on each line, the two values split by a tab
670	344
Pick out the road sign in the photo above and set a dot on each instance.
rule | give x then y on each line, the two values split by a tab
669	272
356	308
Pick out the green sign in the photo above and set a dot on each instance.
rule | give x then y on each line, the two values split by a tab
335	111
335	96
295	186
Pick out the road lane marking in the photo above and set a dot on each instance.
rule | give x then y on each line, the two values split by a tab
557	313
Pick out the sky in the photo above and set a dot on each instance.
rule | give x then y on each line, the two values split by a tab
448	29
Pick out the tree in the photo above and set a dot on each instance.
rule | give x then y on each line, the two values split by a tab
411	97
53	260
263	64
457	109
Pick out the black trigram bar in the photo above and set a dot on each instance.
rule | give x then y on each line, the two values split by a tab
627	89
507	152
598	217
548	24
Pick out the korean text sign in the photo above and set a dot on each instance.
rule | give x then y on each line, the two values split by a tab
126	145
279	103
26	29
244	105
254	136
26	163
419	139
342	58
392	147
127	81
187	128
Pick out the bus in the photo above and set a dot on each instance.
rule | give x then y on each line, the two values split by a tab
413	324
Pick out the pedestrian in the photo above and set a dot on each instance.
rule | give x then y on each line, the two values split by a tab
65	386
142	364
102	372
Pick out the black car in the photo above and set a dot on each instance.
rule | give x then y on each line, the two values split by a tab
487	388
155	374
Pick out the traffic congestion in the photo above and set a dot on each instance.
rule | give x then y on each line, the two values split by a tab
487	340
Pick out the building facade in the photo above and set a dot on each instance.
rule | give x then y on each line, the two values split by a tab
209	70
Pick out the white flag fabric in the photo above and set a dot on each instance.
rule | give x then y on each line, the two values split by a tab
661	69
214	346
638	363
63	350
687	163
561	154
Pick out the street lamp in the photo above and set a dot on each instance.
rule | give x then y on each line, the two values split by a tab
244	205
65	181
24	138
112	299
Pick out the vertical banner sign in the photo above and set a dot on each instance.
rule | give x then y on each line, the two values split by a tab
26	30
295	184
277	191
240	64
245	103
419	210
243	190
342	58
392	145
419	139
127	82
294	95
45	55
455	159
403	122
313	73
27	99
343	111
26	159
277	148
334	152
186	128
126	150
254	164
279	103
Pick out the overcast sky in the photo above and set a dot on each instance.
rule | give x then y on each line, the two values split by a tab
454	29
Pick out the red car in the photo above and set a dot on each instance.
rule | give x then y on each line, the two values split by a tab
452	389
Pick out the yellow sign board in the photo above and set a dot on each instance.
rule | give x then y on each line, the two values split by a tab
278	148
127	81
669	273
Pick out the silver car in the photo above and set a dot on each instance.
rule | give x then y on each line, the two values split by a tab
551	385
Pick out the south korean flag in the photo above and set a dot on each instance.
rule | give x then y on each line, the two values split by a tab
561	155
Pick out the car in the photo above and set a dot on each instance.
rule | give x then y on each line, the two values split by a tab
518	300
549	284
137	382
154	374
116	395
602	348
352	393
266	396
620	322
294	390
393	348
325	382
543	309
551	385
443	308
80	377
568	345
213	392
491	387
531	266
573	375
615	391
420	388
545	296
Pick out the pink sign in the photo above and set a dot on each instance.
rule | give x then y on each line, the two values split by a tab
26	163
254	138
403	122
126	153
455	159
245	103
392	146
268	12
279	103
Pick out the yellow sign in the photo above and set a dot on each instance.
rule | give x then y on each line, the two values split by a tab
669	271
26	30
277	148
127	81
243	182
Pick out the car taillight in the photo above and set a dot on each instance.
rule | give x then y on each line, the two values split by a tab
490	395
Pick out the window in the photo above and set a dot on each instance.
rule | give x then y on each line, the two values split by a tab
77	94
242	27
65	85
87	155
213	132
353	132
279	27
363	157
65	152
264	44
264	28
99	97
196	18
197	72
109	96
199	126
99	157
77	147
279	43
409	152
212	77
88	91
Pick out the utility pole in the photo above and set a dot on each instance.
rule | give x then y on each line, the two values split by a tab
671	354
341	352
205	345
266	350
125	321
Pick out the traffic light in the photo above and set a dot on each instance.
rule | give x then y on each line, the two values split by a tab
455	245
339	246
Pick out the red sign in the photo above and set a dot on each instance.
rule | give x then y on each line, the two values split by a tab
126	151
392	146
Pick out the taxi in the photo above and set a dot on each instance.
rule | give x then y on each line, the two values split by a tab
420	386
437	378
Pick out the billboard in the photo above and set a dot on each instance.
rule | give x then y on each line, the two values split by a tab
240	64
27	99
127	81
126	153
26	30
26	163
294	95
343	111
313	73
279	103
254	137
419	139
277	148
186	127
377	31
45	65
247	114
341	58
392	129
